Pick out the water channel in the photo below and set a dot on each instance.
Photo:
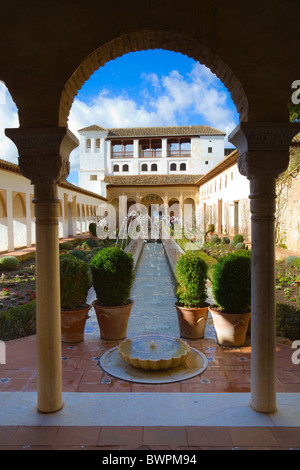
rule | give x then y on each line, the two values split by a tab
153	294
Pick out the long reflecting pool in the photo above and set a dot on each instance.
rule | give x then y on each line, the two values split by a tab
153	294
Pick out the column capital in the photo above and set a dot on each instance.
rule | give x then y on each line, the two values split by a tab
263	147
43	152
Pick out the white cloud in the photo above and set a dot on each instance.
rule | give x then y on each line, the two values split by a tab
173	99
8	118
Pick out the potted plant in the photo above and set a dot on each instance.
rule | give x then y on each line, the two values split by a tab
231	288
75	282
113	276
192	310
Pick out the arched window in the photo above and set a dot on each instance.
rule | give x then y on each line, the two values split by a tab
182	166
97	145
125	168
153	167
144	167
88	143
116	168
173	167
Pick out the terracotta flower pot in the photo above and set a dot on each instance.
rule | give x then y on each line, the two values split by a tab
192	321
231	328
113	321
73	324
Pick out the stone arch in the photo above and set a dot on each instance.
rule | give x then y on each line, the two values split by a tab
19	206
145	40
3	222
189	211
3	211
19	220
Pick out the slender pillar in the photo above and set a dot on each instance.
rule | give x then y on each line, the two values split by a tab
263	154
43	158
48	298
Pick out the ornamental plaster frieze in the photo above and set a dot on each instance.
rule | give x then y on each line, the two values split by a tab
263	148
43	153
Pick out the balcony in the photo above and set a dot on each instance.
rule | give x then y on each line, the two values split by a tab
179	153
150	153
122	154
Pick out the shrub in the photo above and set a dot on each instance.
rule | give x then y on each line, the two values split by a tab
287	321
211	228
91	242
240	246
18	322
80	254
231	283
191	276
93	228
209	260
65	246
214	239
289	261
237	239
225	240
75	281
297	264
9	263
113	276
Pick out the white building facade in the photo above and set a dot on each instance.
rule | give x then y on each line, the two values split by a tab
78	208
146	151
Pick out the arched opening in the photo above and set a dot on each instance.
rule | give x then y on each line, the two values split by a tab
145	40
189	213
19	220
144	167
70	220
3	222
116	168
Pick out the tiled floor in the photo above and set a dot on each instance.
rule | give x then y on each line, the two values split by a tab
227	375
228	372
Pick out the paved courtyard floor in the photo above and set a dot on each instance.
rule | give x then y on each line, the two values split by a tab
210	411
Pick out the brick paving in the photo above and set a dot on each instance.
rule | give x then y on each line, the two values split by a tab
228	371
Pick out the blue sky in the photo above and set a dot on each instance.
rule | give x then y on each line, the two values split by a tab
149	88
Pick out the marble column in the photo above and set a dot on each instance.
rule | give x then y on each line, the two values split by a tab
43	158
263	154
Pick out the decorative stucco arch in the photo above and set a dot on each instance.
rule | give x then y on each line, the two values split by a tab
145	40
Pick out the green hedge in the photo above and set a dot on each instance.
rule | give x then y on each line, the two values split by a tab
191	276
18	322
9	263
287	321
231	283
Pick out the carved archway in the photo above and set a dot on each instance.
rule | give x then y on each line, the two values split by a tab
145	40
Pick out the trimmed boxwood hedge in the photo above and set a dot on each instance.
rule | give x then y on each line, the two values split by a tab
191	275
9	263
231	283
113	276
18	322
287	321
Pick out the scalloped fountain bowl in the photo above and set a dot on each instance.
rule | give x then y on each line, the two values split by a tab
154	352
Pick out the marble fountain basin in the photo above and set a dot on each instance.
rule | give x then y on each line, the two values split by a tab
154	352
